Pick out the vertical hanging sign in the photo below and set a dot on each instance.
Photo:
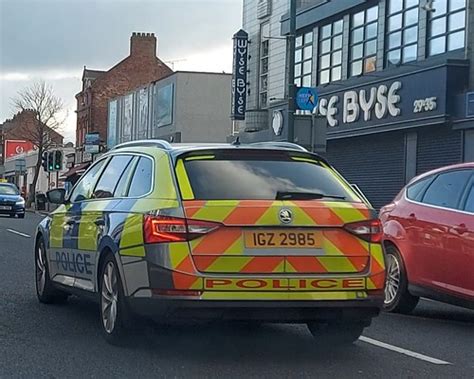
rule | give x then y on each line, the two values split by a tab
239	75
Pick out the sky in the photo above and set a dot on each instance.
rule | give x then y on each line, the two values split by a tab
53	40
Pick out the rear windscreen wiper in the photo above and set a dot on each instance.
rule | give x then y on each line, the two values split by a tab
284	195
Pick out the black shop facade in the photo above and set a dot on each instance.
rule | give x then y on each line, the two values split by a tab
385	129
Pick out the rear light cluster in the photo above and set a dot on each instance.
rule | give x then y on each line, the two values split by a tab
370	230
164	229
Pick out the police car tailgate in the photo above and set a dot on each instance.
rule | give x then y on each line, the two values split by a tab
279	237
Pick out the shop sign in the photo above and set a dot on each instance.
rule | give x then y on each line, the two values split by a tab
17	147
91	143
414	98
239	75
306	98
378	102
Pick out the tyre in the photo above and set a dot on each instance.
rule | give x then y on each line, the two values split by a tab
45	290
336	333
397	297
22	215
114	314
12	215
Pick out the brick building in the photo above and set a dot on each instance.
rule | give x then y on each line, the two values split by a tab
22	127
98	87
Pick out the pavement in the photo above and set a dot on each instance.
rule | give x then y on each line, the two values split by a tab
64	341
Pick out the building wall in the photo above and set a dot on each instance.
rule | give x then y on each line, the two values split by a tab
200	109
203	107
277	46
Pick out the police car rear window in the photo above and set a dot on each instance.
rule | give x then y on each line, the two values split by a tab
250	178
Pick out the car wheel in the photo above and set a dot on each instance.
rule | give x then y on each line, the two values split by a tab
45	290
12	215
114	312
21	215
397	297
336	333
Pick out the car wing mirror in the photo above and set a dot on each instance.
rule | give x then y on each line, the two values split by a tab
56	196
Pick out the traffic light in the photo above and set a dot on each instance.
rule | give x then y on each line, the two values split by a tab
51	161
58	160
44	161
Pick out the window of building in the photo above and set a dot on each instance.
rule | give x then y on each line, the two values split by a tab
264	57
363	50
330	52
402	32
447	26
303	59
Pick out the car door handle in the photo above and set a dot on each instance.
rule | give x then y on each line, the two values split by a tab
461	228
412	217
100	222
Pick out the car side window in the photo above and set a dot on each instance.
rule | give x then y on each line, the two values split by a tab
447	188
415	191
469	207
110	176
84	187
142	178
124	181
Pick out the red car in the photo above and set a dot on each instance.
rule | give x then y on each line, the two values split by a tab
429	240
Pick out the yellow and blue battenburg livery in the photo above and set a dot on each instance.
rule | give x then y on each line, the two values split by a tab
262	231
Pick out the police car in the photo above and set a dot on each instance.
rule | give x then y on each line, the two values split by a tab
266	232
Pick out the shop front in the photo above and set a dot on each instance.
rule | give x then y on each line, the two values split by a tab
386	128
381	133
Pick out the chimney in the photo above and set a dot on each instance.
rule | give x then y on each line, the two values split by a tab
143	44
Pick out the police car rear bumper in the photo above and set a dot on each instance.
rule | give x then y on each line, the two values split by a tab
257	310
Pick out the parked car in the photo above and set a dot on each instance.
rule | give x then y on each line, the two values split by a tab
429	240
11	201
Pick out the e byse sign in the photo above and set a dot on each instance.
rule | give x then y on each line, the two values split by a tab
385	101
17	147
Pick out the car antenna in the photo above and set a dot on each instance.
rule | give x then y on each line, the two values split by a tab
237	141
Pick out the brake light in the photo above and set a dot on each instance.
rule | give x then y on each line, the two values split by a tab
370	230
163	229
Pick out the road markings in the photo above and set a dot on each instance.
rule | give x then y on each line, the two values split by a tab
18	233
403	351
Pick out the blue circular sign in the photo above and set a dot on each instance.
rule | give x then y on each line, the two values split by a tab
306	98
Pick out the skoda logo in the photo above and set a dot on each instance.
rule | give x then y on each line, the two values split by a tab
285	216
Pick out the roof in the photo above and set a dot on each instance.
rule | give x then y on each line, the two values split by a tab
443	169
94	74
176	149
165	145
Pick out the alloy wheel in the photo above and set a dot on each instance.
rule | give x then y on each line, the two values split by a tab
392	283
109	295
40	270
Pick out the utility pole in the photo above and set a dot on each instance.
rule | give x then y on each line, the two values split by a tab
291	72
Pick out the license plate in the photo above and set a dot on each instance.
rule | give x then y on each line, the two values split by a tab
271	239
5	208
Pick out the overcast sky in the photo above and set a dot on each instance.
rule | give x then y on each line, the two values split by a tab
54	39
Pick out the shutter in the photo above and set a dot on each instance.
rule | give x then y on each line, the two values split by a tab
376	163
438	146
